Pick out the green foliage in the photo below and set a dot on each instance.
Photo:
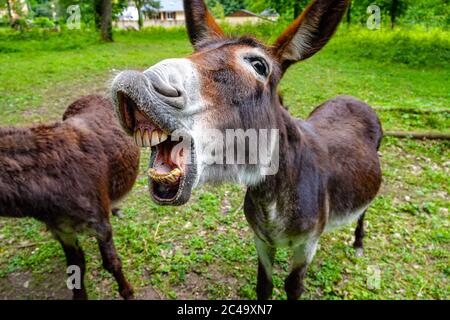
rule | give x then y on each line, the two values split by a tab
43	22
431	13
231	6
412	47
39	39
216	8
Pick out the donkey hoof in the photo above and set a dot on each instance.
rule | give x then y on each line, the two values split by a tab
127	294
359	252
118	213
80	296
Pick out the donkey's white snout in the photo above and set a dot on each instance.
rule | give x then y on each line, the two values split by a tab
176	82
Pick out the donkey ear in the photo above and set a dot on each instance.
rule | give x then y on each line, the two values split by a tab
310	31
199	21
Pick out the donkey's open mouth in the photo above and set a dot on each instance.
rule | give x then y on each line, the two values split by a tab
171	174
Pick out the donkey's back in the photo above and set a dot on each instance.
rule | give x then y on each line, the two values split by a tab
51	169
68	175
351	132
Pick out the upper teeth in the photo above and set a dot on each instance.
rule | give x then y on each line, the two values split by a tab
144	138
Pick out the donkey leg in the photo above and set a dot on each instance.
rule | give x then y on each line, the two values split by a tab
74	257
359	236
303	255
266	255
117	213
112	262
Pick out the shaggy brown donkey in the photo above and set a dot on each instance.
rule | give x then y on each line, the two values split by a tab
68	175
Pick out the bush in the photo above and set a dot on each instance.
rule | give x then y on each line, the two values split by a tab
40	39
414	47
43	22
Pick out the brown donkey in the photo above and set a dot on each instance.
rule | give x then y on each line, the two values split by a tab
328	171
68	175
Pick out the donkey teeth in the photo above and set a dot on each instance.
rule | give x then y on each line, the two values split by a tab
163	137
146	139
165	178
143	139
155	138
137	138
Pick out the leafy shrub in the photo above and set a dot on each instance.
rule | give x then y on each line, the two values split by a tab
21	24
414	47
43	22
39	39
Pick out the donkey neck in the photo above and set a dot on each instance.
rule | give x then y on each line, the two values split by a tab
299	148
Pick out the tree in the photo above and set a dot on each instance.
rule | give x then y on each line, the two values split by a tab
349	13
8	5
231	6
106	21
216	8
289	8
428	12
150	6
103	18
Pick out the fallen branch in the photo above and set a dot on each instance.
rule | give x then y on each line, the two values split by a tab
410	110
418	135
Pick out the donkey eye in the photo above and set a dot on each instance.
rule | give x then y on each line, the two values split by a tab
259	65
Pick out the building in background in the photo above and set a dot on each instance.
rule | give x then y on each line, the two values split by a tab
244	16
170	13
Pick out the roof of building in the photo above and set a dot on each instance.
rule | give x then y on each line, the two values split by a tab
243	13
171	5
269	12
266	15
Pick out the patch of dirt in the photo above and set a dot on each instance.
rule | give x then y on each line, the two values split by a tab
195	286
26	286
148	293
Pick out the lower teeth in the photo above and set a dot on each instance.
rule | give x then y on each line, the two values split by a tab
168	178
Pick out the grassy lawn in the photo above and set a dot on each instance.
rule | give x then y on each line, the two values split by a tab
205	249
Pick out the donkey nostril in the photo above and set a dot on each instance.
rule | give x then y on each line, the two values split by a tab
164	88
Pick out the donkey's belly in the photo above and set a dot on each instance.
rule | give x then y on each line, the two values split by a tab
338	220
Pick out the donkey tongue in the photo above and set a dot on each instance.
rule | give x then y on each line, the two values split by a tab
162	168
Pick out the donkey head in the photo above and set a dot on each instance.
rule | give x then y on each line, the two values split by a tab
226	84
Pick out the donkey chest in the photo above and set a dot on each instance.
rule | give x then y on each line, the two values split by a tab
275	228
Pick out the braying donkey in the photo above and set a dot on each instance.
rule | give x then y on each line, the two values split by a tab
329	169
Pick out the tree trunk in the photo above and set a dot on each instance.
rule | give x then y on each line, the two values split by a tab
140	19
9	12
349	13
98	14
106	21
394	10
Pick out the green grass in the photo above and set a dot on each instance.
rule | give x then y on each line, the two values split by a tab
205	249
